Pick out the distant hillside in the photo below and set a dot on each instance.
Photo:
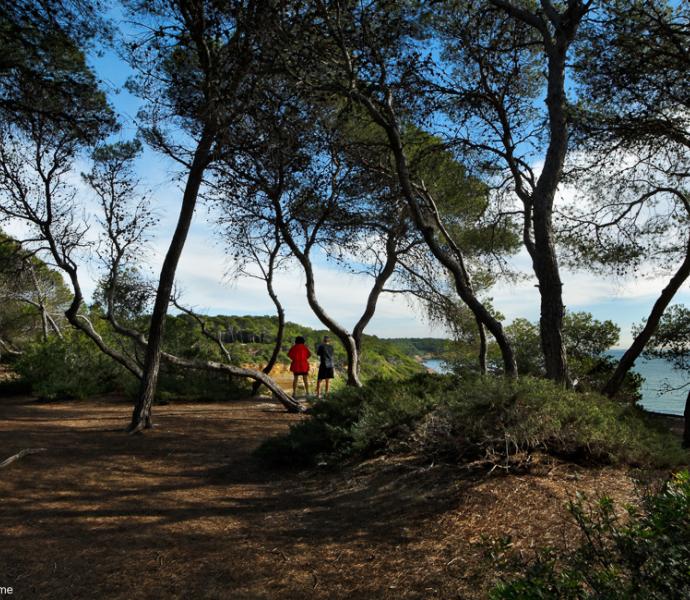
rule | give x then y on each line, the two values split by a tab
250	339
421	346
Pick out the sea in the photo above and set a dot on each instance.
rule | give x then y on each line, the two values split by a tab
658	376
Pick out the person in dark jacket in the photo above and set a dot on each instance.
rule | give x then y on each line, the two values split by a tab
325	353
299	356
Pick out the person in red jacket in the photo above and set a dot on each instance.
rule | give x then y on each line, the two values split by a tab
299	355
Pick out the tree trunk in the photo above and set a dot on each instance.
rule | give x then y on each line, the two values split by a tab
454	263
8	348
54	326
81	322
338	330
552	313
482	347
289	403
352	350
558	31
628	359
466	294
544	261
44	323
40	304
686	429
279	337
141	415
387	270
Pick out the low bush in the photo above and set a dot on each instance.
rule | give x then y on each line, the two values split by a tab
496	417
70	368
645	553
469	419
357	421
326	435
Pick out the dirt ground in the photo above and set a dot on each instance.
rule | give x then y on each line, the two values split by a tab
185	511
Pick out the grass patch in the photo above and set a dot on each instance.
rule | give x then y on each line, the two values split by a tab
472	419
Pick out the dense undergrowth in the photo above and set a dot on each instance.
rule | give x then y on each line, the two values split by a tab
470	419
74	368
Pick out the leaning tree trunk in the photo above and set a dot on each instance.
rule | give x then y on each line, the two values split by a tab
141	415
54	326
428	228
628	359
464	290
8	348
289	403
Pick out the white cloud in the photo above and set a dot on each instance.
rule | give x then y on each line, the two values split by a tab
623	300
201	277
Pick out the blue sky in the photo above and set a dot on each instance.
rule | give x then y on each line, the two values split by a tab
201	274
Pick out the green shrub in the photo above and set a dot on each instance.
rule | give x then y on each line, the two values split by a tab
326	435
69	368
646	554
495	416
357	421
467	419
390	411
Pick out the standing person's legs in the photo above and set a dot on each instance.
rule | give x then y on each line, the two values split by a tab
318	387
326	386
305	379
294	385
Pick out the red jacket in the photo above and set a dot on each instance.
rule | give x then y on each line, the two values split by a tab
299	355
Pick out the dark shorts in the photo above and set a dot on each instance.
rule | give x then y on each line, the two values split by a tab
300	373
325	373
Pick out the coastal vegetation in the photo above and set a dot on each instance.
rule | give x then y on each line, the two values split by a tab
475	421
426	149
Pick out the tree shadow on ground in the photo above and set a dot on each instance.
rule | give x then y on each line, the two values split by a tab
185	510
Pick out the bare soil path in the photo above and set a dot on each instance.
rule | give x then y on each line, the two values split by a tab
186	511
